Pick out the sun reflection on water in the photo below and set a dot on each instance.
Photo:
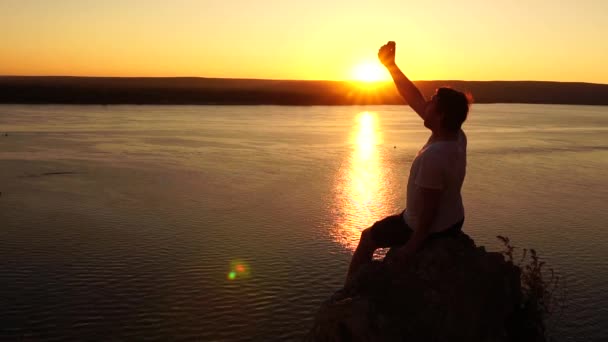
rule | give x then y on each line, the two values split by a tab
360	190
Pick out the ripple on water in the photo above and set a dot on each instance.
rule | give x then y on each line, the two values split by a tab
139	240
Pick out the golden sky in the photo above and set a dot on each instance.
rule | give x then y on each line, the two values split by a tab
314	39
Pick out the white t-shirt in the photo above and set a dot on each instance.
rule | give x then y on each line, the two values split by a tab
438	165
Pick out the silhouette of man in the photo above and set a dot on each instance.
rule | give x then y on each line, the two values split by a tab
434	205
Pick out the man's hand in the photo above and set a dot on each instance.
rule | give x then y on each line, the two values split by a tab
386	54
406	88
430	205
403	254
399	260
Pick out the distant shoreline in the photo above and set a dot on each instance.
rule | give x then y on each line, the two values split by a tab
218	91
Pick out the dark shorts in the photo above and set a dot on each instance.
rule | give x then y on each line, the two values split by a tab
393	231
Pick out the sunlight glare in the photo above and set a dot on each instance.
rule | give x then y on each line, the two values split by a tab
366	138
360	189
369	72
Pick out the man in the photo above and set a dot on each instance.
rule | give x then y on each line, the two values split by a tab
434	205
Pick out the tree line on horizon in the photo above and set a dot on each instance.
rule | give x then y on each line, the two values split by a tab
216	91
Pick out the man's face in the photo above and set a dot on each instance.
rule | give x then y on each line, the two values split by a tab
432	117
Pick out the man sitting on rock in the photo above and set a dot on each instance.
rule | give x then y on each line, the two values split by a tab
434	205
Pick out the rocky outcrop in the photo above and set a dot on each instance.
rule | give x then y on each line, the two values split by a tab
450	290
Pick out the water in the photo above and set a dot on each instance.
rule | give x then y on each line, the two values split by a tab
126	221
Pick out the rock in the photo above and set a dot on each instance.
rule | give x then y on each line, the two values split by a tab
450	290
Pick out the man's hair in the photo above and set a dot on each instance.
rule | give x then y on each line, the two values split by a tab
454	105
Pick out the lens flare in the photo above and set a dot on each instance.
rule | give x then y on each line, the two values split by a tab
238	270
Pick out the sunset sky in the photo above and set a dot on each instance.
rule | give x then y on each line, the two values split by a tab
313	39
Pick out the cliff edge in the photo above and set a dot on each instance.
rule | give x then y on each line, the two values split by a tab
451	290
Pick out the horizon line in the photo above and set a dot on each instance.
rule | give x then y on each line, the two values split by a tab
288	80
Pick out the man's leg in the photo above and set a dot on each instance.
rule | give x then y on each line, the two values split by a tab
363	254
390	231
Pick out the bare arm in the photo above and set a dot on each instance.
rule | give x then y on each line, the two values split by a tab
430	203
406	88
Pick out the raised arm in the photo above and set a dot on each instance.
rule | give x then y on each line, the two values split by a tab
406	88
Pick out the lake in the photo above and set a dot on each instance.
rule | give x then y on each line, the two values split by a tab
226	223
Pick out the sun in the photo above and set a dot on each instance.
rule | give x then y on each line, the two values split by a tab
369	72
